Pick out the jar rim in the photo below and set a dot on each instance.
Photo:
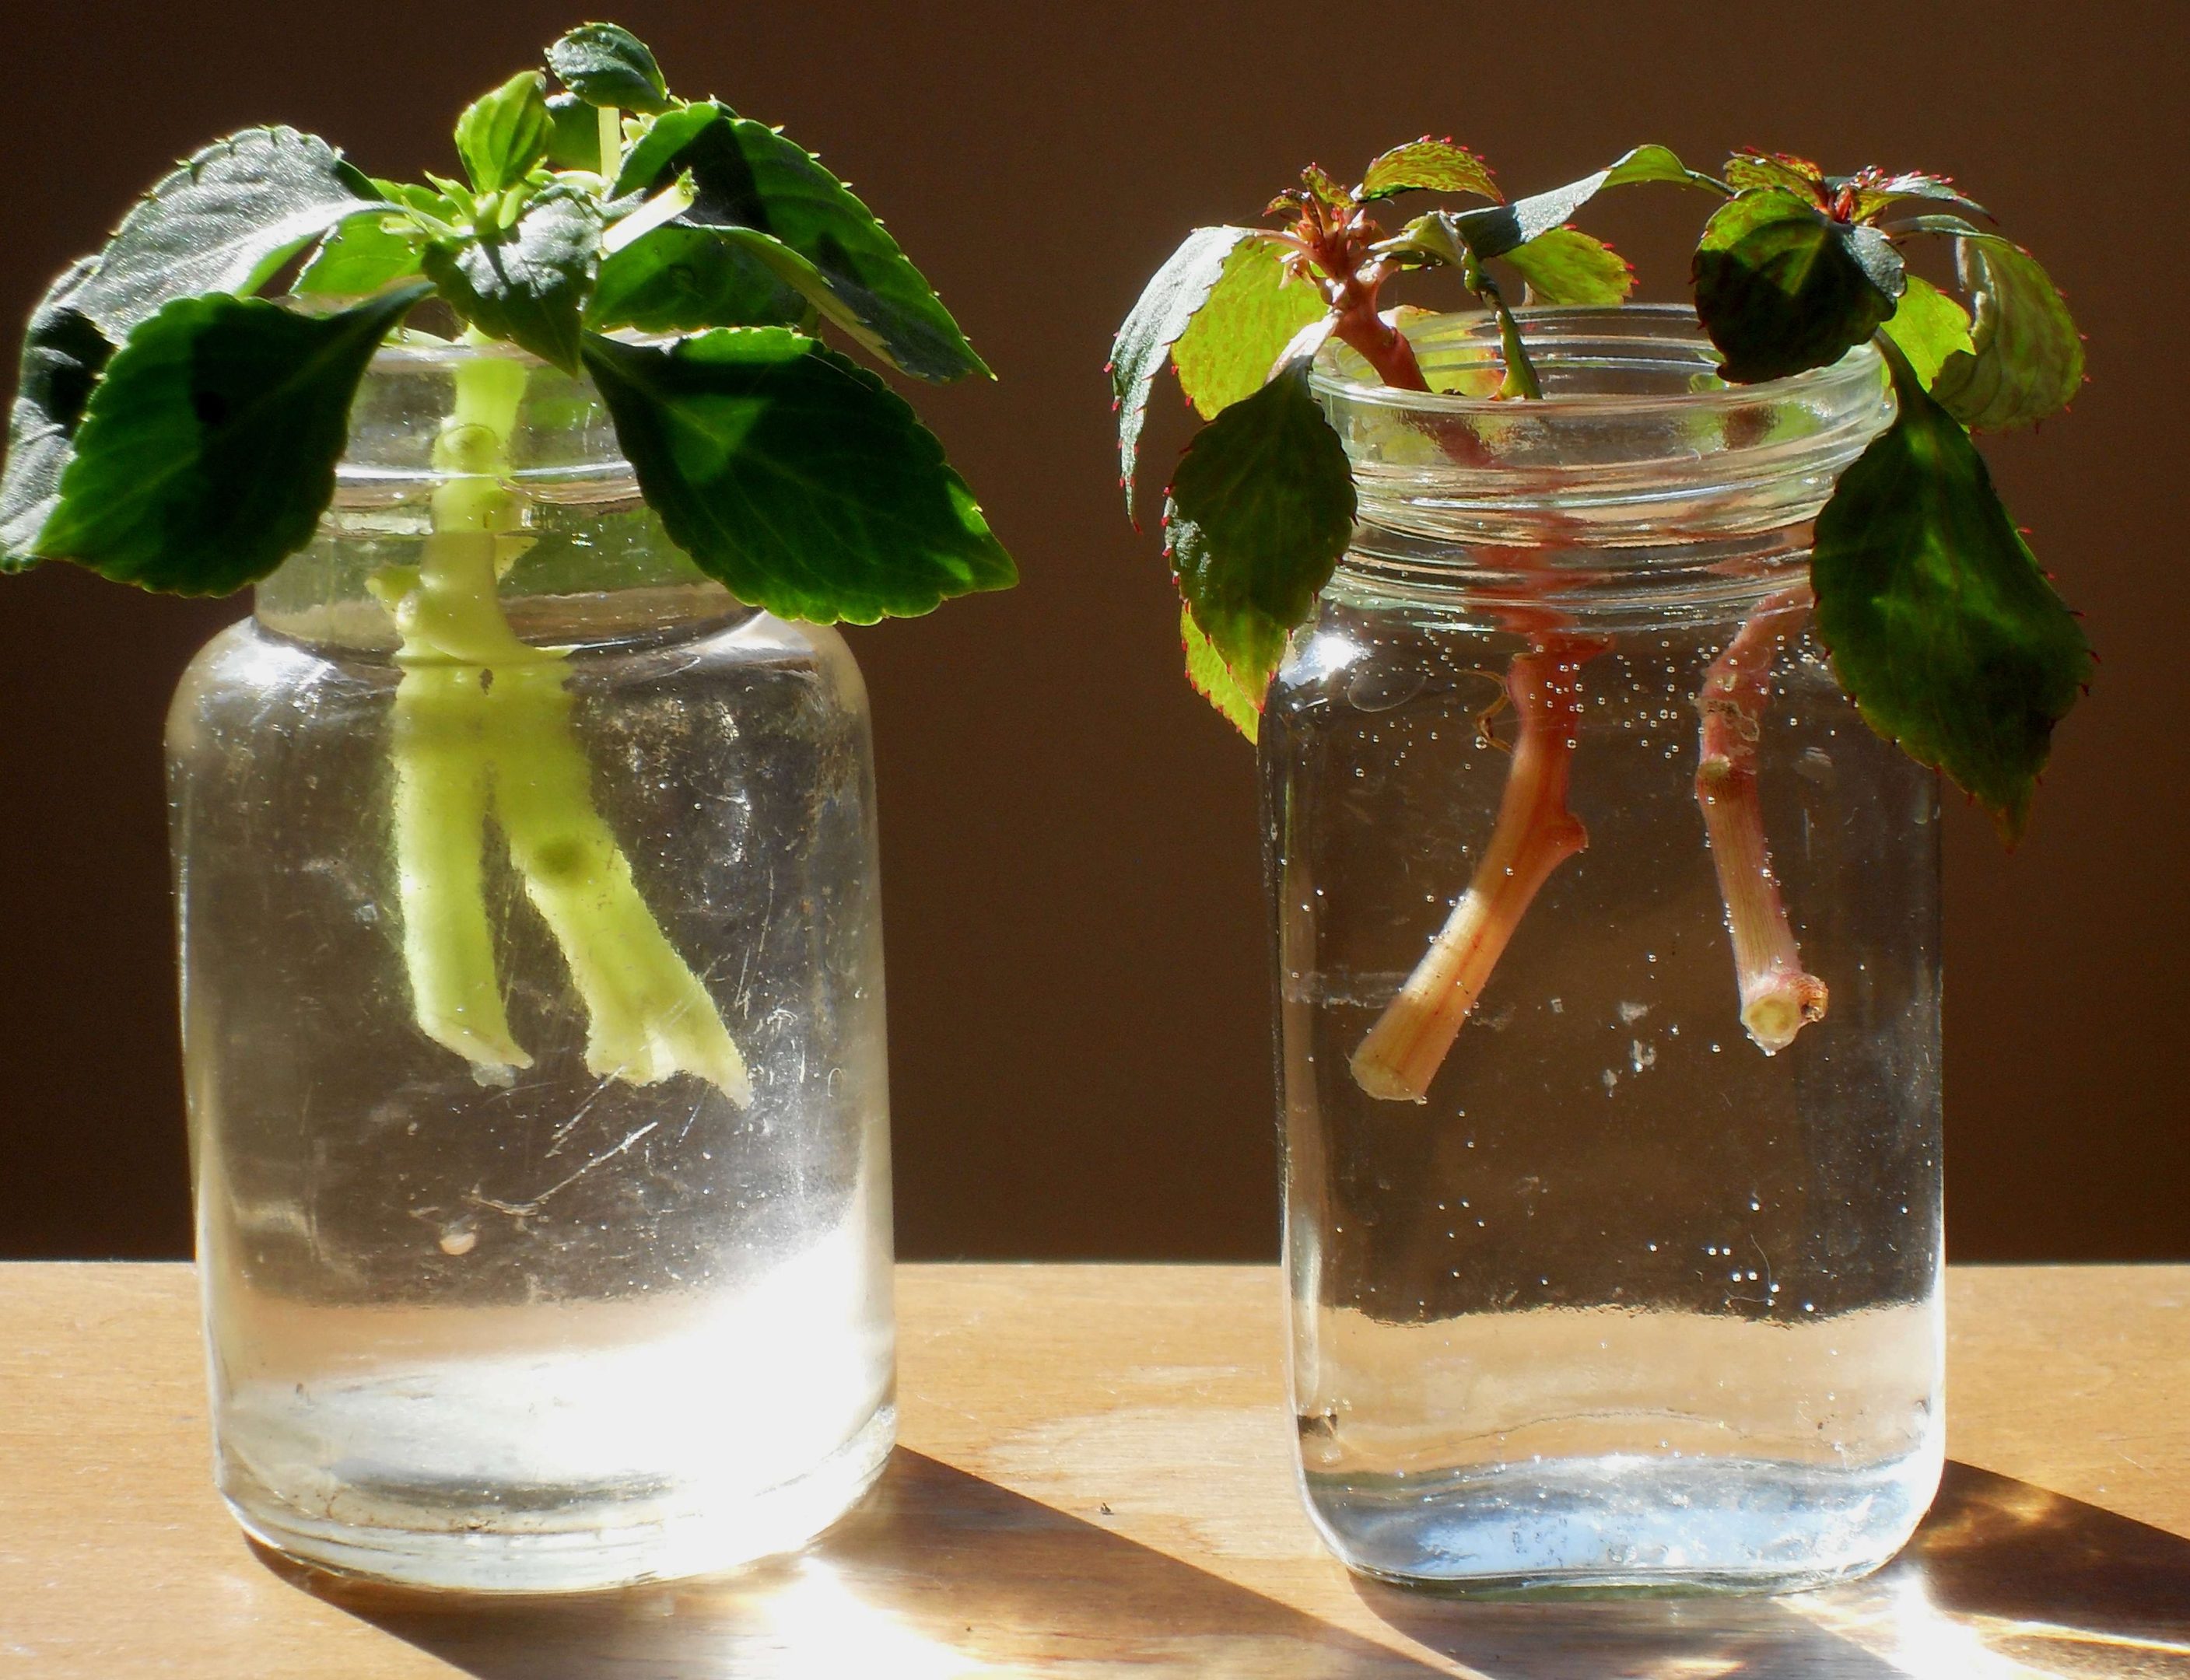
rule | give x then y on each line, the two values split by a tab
1554	326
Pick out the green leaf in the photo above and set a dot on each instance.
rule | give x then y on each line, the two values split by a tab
748	176
1496	229
683	279
224	221
1941	626
1929	326
207	452
63	353
1427	164
368	252
2026	358
796	477
1261	509
1256	309
606	65
1567	266
502	135
1166	309
529	284
574	134
1647	164
1212	679
1781	287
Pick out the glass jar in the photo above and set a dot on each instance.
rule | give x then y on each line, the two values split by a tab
1609	978
533	1023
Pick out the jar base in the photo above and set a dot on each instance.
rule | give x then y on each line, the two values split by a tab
1625	1524
594	1540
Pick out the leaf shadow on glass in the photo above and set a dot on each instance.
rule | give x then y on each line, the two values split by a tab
938	1573
2001	1577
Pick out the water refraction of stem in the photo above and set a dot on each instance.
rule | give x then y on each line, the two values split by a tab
1534	833
1778	997
482	720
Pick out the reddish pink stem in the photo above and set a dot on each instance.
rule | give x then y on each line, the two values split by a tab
1534	833
1778	997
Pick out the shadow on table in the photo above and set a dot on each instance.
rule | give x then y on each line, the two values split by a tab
938	1574
2003	1579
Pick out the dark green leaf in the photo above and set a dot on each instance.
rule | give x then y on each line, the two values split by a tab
795	476
1428	165
1929	326
683	280
746	175
1941	626
502	135
2026	357
574	134
606	65
63	353
1781	287
1256	309
1567	266
1212	679
224	221
529	284
1166	307
1261	509
207	452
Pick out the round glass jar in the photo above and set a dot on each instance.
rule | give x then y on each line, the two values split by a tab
1575	841
533	1023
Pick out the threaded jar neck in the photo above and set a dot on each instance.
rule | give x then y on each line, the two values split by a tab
1639	472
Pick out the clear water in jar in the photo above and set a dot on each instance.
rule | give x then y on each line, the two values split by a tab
1627	1302
563	1331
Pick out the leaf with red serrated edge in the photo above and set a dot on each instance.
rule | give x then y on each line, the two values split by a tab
1429	165
1322	185
1567	266
1942	628
1256	309
1213	680
1797	175
2027	358
1166	309
1261	509
1873	191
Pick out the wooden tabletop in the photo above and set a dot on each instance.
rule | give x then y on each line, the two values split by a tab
1095	1479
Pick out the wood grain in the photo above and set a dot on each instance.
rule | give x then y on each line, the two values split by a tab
1097	1478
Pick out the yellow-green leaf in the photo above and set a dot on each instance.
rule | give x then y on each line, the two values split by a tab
2026	358
1429	165
1929	326
1256	307
1214	681
1566	265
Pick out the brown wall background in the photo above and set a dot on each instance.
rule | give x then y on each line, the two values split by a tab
1078	963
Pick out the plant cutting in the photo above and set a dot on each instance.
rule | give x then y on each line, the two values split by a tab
176	429
524	838
1940	624
1585	642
